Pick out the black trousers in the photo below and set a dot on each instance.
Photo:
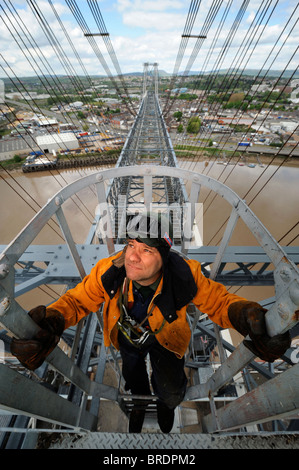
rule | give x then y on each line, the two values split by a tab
168	377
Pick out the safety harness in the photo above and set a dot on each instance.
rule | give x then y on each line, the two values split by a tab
136	333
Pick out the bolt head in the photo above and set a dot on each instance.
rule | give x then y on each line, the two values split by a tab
4	270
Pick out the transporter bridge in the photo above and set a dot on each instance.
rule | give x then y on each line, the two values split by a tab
233	398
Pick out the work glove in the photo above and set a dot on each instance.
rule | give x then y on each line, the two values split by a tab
32	352
248	318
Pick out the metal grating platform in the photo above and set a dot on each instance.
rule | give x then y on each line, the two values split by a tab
175	441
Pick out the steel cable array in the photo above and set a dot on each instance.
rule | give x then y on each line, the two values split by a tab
230	80
228	77
90	36
57	88
57	85
258	77
192	13
106	38
234	70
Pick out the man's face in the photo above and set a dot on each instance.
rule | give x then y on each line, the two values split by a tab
143	263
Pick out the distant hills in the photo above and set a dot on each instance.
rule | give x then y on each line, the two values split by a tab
261	73
248	72
163	73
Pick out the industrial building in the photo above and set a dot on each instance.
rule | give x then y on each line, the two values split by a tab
51	142
45	122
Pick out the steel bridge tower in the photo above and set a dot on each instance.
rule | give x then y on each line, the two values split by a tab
69	393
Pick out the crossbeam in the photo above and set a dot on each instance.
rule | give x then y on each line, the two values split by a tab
251	266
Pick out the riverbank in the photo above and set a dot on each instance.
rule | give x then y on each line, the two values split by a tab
110	157
234	159
63	161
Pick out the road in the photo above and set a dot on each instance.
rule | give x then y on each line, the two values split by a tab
263	149
46	112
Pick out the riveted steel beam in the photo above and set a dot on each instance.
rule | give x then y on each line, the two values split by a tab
48	407
277	398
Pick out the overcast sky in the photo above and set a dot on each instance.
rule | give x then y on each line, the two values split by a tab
148	31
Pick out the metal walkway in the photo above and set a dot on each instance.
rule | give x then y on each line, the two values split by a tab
148	143
228	389
191	442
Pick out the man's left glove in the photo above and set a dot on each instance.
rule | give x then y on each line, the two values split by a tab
32	352
248	318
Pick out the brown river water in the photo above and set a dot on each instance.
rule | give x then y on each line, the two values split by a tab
271	191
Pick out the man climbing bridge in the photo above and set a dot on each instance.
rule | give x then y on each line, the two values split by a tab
146	289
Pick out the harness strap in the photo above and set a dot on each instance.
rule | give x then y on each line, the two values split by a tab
126	324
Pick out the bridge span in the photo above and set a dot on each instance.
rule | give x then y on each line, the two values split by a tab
69	393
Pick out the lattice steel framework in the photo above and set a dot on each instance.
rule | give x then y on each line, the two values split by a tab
147	143
143	177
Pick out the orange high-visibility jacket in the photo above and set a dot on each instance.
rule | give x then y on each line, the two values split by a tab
103	285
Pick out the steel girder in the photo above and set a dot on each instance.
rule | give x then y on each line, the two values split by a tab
60	269
285	271
148	143
280	317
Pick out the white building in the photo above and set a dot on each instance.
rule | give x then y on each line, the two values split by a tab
45	122
295	83
27	96
64	141
293	96
260	88
283	126
76	104
110	100
1	91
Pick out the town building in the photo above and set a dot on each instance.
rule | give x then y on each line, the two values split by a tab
55	142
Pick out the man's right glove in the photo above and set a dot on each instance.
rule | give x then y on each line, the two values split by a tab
32	352
248	318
